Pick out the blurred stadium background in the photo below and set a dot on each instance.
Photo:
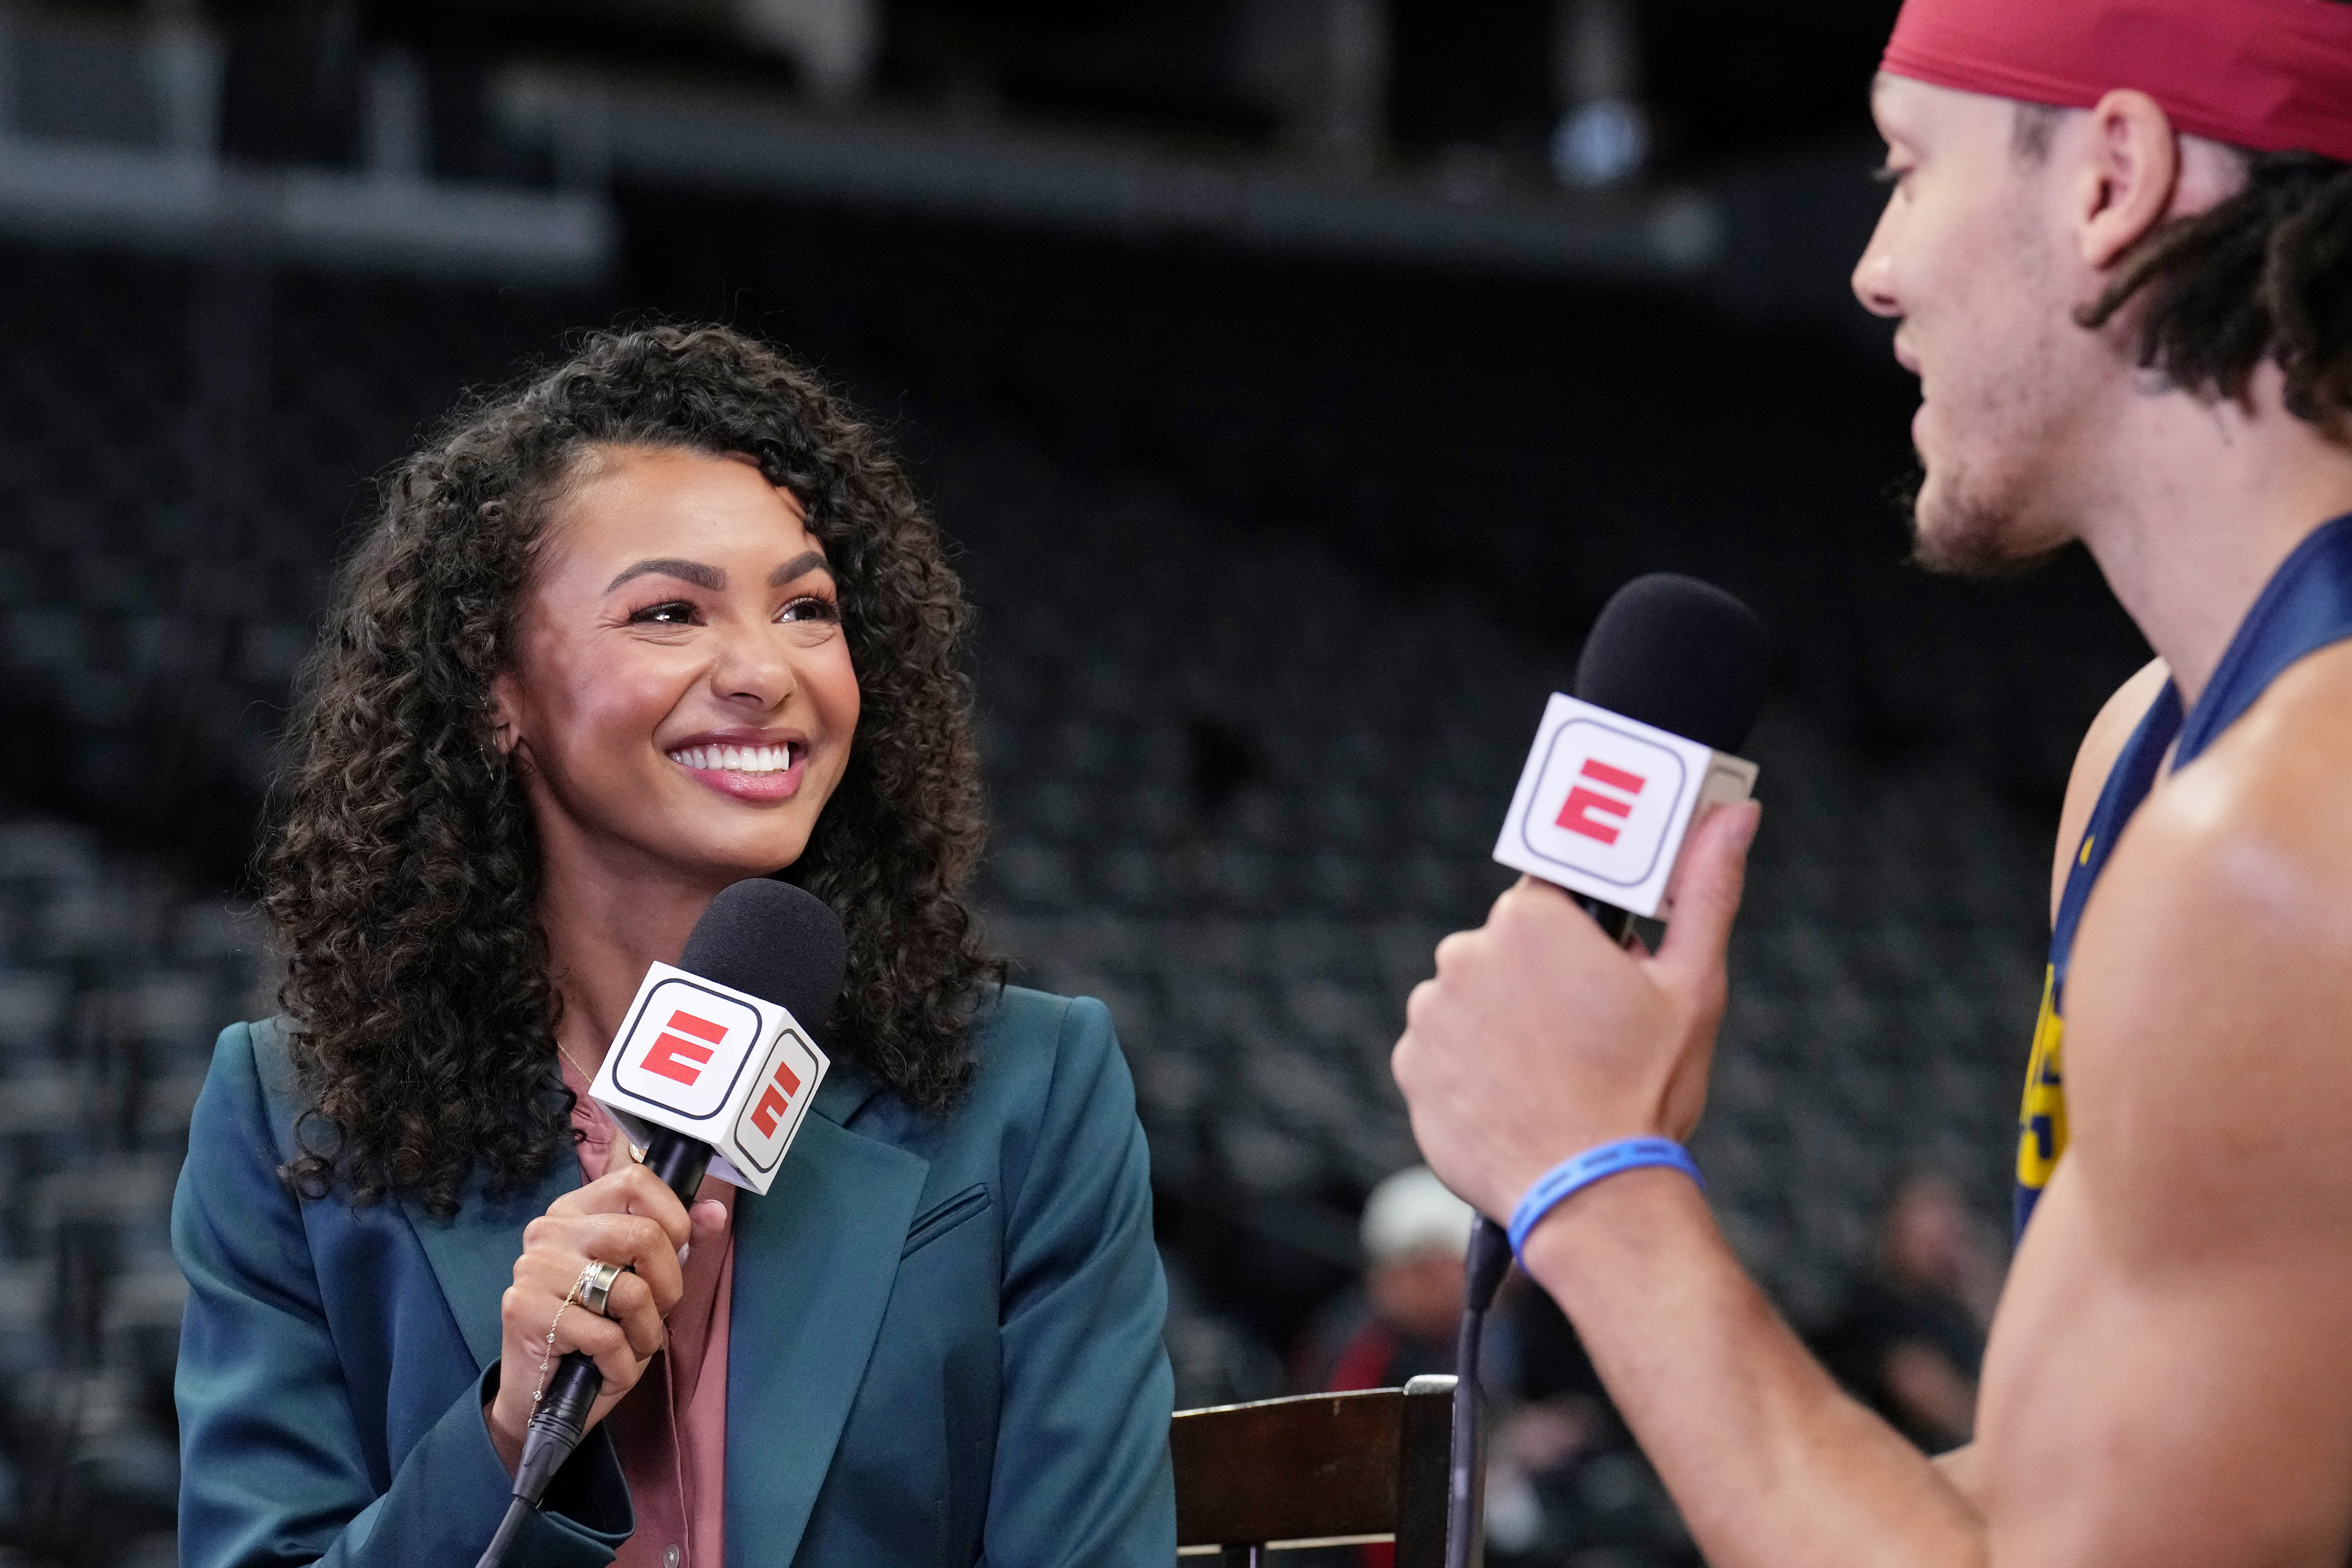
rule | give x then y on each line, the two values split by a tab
1294	377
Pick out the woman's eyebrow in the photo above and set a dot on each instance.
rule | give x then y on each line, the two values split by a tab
693	571
799	565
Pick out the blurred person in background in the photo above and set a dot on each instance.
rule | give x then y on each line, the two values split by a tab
1401	1324
664	618
1910	1335
1563	1476
2118	242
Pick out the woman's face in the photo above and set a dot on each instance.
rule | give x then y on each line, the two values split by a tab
680	698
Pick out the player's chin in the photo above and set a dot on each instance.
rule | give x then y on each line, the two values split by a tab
1958	534
1982	557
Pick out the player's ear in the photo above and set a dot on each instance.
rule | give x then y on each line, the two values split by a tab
2131	167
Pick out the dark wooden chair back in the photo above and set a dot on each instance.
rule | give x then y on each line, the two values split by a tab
1319	1468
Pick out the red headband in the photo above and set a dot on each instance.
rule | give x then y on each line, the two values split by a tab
2269	75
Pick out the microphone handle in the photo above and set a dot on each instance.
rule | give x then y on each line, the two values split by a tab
681	1162
1615	924
562	1419
1489	1262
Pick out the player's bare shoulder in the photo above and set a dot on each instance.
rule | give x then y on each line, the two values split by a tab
2209	1005
2264	817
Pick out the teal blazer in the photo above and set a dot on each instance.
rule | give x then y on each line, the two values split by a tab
944	1348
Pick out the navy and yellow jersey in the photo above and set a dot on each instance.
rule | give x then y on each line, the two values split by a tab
2041	1121
2304	607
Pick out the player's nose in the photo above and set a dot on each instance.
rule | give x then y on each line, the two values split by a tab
1873	274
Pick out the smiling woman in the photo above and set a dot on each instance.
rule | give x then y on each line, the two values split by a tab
664	618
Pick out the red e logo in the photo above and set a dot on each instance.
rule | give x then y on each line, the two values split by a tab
681	1060
777	1100
1577	815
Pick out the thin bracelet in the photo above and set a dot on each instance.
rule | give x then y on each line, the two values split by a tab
1576	1172
548	1354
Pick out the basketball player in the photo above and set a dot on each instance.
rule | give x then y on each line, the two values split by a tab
2119	243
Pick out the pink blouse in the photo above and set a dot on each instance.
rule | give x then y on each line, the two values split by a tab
671	1428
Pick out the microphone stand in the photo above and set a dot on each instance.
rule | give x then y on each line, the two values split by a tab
1483	1269
562	1419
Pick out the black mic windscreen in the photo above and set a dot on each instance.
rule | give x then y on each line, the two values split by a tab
1680	654
777	942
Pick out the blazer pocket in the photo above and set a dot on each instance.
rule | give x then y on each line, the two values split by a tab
942	1218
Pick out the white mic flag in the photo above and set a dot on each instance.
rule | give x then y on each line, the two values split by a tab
720	1065
1605	801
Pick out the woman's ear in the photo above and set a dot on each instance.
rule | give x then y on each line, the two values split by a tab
506	723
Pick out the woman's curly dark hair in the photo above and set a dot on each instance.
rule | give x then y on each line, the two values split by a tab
403	876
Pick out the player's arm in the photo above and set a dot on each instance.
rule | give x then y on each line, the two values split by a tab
2110	730
2171	1377
1539	1039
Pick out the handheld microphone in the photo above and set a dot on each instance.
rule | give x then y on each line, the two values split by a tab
1669	684
711	1074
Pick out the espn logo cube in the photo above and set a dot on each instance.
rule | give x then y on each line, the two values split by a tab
1605	801
717	1064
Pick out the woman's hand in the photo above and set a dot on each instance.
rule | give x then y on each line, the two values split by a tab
626	1217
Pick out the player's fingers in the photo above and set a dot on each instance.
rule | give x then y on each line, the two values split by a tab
1708	898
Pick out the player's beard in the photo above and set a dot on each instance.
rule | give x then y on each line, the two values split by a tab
2003	405
1972	535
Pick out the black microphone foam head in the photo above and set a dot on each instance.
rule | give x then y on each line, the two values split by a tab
1680	654
775	941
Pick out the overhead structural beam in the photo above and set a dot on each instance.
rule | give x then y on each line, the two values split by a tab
1092	185
90	193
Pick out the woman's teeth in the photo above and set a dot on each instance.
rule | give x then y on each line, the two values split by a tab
734	759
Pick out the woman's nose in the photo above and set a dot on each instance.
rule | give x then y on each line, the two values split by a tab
754	669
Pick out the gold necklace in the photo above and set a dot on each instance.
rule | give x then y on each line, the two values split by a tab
574	1060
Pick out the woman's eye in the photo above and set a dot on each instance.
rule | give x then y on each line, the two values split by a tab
674	612
809	607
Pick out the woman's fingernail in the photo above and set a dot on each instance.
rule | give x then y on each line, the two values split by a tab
683	1251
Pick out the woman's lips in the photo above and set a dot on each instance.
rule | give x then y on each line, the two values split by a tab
759	773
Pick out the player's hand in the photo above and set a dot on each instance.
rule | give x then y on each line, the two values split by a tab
626	1217
1541	1037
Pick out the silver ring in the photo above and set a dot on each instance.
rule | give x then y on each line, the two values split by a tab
596	1285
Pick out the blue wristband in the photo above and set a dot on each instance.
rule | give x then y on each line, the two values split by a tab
1576	1172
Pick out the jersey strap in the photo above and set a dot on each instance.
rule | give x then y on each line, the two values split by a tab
2304	607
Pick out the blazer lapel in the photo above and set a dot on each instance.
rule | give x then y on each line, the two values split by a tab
473	1254
815	1262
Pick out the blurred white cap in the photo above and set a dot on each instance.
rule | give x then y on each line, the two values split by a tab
1411	1212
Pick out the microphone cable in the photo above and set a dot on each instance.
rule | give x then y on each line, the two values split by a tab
1488	1261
